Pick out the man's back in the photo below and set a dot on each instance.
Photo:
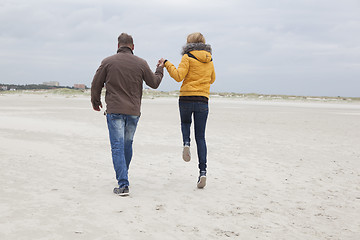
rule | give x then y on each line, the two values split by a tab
123	75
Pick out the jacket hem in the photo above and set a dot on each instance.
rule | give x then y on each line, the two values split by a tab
202	94
115	111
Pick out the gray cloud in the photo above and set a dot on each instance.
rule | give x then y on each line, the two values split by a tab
284	47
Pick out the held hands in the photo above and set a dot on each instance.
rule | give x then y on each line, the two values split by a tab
161	62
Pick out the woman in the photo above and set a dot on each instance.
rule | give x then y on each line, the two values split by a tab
196	71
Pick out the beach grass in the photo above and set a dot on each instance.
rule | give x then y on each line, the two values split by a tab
151	94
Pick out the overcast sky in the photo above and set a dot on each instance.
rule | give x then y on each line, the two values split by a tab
294	47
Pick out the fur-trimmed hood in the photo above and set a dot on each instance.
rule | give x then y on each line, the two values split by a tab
196	47
198	51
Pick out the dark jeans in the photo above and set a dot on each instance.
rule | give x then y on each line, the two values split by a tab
200	111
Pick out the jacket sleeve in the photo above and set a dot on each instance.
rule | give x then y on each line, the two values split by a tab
151	79
182	70
212	76
97	85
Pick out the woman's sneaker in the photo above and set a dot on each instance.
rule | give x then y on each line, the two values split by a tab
186	153
122	191
202	180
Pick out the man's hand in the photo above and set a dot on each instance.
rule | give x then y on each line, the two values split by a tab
97	108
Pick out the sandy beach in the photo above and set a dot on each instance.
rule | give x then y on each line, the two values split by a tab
276	170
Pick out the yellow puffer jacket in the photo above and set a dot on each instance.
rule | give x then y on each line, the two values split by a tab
196	69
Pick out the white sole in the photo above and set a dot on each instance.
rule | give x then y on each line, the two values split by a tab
202	182
186	154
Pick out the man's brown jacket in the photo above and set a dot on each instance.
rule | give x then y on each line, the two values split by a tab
122	75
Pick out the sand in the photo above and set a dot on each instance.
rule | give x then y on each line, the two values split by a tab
276	170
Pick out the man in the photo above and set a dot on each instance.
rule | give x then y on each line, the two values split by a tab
123	75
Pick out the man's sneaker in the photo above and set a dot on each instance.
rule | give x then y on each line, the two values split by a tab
186	153
202	180
122	191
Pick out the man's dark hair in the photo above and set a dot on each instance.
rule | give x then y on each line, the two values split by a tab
125	39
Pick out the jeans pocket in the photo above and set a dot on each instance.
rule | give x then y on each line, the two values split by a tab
185	106
114	116
203	107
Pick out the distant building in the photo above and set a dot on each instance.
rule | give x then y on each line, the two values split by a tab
80	86
4	88
53	84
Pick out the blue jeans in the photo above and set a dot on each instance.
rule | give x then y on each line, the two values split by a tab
200	110
121	131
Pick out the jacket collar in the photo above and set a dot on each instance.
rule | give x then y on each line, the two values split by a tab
125	50
196	46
